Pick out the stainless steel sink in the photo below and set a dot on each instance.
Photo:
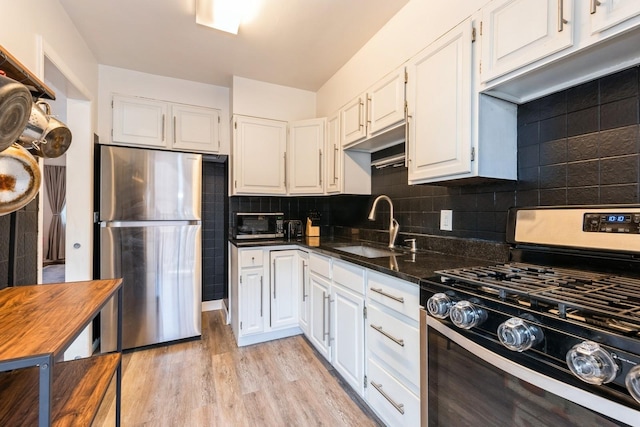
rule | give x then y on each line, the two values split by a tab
367	251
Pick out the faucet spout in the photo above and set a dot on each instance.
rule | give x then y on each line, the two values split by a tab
393	224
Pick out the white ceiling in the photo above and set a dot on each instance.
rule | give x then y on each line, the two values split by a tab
297	43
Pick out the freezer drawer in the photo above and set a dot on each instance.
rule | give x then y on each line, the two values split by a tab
161	268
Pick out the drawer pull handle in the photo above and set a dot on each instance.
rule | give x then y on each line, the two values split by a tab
399	406
383	293
398	341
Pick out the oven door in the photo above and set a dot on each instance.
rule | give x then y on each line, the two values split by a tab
466	384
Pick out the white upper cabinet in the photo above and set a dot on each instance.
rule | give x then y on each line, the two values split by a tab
139	121
334	154
258	159
440	126
352	118
385	103
518	32
161	124
462	134
607	13
306	157
367	121
195	128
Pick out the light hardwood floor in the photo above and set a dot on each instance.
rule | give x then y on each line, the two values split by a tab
212	382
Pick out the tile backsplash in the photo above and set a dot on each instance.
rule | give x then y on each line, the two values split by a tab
577	146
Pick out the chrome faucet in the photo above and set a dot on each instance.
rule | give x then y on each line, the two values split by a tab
393	224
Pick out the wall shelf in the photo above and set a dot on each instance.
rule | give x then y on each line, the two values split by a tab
15	70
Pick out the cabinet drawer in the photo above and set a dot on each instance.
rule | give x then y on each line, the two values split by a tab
320	264
251	257
349	275
394	342
398	295
394	403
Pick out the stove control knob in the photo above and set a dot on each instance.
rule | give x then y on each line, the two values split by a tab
439	305
633	382
591	363
518	335
466	315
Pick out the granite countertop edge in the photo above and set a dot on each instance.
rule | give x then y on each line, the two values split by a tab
413	267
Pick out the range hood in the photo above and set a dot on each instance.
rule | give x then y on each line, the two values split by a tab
381	141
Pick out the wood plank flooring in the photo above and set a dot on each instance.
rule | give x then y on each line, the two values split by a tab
212	382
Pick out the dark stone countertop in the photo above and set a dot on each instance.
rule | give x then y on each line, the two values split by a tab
405	265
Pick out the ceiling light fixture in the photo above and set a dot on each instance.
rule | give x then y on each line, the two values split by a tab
224	15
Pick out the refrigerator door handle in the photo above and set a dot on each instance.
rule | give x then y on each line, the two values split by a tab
115	224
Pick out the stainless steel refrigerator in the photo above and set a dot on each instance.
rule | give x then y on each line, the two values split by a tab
150	235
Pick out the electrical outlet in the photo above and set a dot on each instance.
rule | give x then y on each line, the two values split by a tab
446	220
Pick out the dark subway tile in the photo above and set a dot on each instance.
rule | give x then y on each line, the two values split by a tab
619	113
553	197
486	201
619	194
486	221
528	113
582	121
581	174
583	96
553	128
619	141
553	105
528	198
553	152
528	156
554	176
528	134
619	170
583	195
505	200
528	178
465	220
583	147
619	85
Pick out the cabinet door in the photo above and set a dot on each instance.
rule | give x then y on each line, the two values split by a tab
385	106
353	126
320	315
284	289
139	121
251	301
195	128
607	13
439	142
518	32
333	175
348	336
306	157
259	150
304	298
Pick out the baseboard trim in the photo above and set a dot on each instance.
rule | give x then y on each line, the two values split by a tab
212	305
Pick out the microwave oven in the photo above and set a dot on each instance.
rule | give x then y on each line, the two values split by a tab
250	225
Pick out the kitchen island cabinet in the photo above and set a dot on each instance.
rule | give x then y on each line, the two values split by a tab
38	324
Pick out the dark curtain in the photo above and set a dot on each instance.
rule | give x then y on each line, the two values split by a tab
55	181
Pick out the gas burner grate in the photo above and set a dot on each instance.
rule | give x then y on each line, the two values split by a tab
613	297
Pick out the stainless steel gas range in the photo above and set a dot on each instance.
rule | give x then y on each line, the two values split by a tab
550	338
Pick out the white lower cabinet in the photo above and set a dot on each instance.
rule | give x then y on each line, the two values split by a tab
304	301
283	293
320	289
392	336
347	294
390	399
263	294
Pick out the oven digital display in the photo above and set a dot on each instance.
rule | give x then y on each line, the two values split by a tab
612	222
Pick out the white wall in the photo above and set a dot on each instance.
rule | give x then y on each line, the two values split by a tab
271	101
413	28
134	83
